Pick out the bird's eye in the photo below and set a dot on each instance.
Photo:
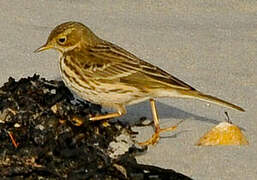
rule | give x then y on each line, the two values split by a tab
62	40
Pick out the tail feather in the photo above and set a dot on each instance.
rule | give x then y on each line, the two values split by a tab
211	99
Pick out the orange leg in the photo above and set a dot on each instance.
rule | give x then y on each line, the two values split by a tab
121	110
156	136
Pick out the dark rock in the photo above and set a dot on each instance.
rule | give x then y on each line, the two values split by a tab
46	134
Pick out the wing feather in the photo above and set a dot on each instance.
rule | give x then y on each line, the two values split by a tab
107	61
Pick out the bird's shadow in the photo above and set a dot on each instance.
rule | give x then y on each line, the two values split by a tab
165	111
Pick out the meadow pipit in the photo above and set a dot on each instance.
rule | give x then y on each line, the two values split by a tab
103	73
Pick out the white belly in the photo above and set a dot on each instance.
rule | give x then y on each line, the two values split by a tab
105	94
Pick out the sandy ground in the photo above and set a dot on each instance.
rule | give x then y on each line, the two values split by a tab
211	45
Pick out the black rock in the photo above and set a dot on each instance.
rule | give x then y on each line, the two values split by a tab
45	135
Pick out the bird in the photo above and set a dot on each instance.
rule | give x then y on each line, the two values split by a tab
103	73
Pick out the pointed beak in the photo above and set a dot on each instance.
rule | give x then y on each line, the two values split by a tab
42	48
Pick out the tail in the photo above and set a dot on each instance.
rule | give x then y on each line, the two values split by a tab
211	99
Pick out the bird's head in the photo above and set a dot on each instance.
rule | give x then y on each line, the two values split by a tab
68	36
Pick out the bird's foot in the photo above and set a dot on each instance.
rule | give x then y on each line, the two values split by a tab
156	136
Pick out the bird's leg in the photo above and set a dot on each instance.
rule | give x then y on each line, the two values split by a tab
156	136
121	110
